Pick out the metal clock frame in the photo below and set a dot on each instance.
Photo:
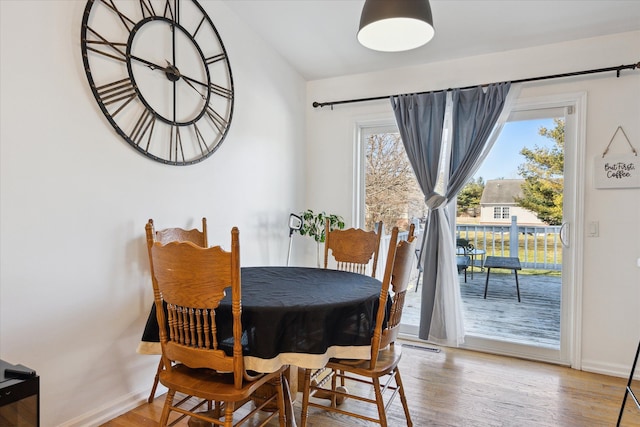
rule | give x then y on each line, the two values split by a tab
114	96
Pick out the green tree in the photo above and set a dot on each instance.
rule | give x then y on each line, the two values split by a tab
469	196
543	173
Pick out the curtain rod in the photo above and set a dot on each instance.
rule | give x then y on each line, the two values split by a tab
530	79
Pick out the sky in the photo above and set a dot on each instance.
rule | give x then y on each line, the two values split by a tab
504	158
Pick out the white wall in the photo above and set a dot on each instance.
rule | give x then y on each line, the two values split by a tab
74	284
611	280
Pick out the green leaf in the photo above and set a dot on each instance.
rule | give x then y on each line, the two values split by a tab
313	224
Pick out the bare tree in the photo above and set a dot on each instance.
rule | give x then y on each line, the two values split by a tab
392	192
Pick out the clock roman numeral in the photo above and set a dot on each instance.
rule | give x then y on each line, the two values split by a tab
147	8
126	21
175	144
218	121
215	58
198	28
172	12
202	144
144	126
221	91
120	92
105	47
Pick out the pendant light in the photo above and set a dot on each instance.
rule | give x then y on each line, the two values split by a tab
395	25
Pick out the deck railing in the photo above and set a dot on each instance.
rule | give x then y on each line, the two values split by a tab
537	247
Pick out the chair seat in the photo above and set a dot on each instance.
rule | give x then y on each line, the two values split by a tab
211	385
387	361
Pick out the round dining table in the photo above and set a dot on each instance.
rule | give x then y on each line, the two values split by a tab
294	316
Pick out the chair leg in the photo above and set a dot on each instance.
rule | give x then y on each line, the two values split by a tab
228	413
334	384
152	395
403	398
168	403
282	409
382	416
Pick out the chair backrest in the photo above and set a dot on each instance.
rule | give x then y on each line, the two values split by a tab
353	249
398	269
191	281
179	235
465	245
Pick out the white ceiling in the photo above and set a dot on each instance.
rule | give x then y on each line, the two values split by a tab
318	37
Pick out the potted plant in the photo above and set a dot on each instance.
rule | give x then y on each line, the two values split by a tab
313	225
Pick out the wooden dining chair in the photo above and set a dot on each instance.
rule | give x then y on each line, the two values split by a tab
385	353
165	236
354	249
191	281
199	237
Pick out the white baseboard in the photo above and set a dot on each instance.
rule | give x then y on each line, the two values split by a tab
111	410
613	370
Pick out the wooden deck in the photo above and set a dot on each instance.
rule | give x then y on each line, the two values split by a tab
535	320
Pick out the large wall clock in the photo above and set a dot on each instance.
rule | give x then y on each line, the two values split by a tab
161	76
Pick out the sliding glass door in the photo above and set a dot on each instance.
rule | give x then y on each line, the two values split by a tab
534	159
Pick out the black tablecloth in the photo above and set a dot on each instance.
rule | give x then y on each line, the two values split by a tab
296	310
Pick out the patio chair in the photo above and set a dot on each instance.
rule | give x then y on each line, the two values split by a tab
465	250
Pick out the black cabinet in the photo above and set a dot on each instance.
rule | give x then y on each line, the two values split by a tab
19	399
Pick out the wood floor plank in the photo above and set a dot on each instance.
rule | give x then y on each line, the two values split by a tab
465	388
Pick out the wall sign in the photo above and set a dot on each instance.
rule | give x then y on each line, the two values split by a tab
617	171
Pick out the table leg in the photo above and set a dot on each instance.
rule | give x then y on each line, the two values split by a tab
486	283
292	374
517	284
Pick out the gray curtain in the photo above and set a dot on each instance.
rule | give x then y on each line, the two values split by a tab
420	120
475	112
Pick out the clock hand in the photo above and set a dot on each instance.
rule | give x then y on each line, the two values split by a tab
188	81
170	71
148	63
212	87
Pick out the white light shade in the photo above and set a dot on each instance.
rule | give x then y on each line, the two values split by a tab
395	25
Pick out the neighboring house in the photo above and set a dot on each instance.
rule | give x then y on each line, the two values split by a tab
497	204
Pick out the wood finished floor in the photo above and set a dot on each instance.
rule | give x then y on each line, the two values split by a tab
463	388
